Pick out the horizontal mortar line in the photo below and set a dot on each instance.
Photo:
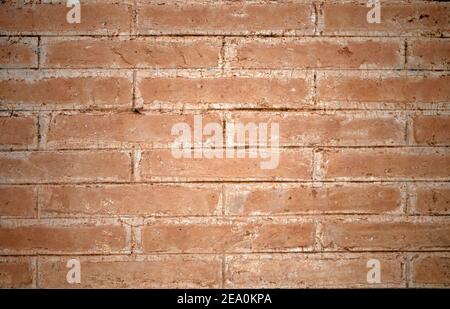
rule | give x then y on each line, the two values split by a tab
345	35
230	70
119	220
219	254
184	181
236	147
393	182
421	34
293	215
290	112
215	109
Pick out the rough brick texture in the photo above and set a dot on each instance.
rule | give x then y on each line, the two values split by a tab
89	113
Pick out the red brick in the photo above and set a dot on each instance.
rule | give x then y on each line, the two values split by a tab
310	271
17	201
18	132
379	163
432	199
398	19
297	199
16	273
225	18
115	130
318	53
432	130
18	52
160	164
169	271
240	91
390	236
351	129
49	239
103	17
226	237
142	200
29	90
130	53
43	167
431	270
384	88
429	54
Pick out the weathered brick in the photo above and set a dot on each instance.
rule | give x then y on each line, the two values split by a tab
49	90
130	53
431	270
225	18
297	199
387	163
346	129
17	201
143	200
17	52
101	17
384	88
396	18
16	273
432	199
429	54
310	271
161	164
386	235
53	238
318	53
18	132
77	166
118	129
238	91
170	271
216	237
432	130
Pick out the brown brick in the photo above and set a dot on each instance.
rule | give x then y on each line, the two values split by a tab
351	129
143	200
297	199
17	202
18	132
398	19
226	237
432	130
161	164
240	91
169	271
385	163
18	52
130	53
318	53
103	17
429	54
431	270
390	236
310	271
384	88
16	273
43	167
225	18
29	89
432	199
48	239
119	129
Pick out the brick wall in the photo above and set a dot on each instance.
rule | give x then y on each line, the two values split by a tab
86	170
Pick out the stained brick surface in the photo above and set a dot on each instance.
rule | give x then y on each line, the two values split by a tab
87	118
